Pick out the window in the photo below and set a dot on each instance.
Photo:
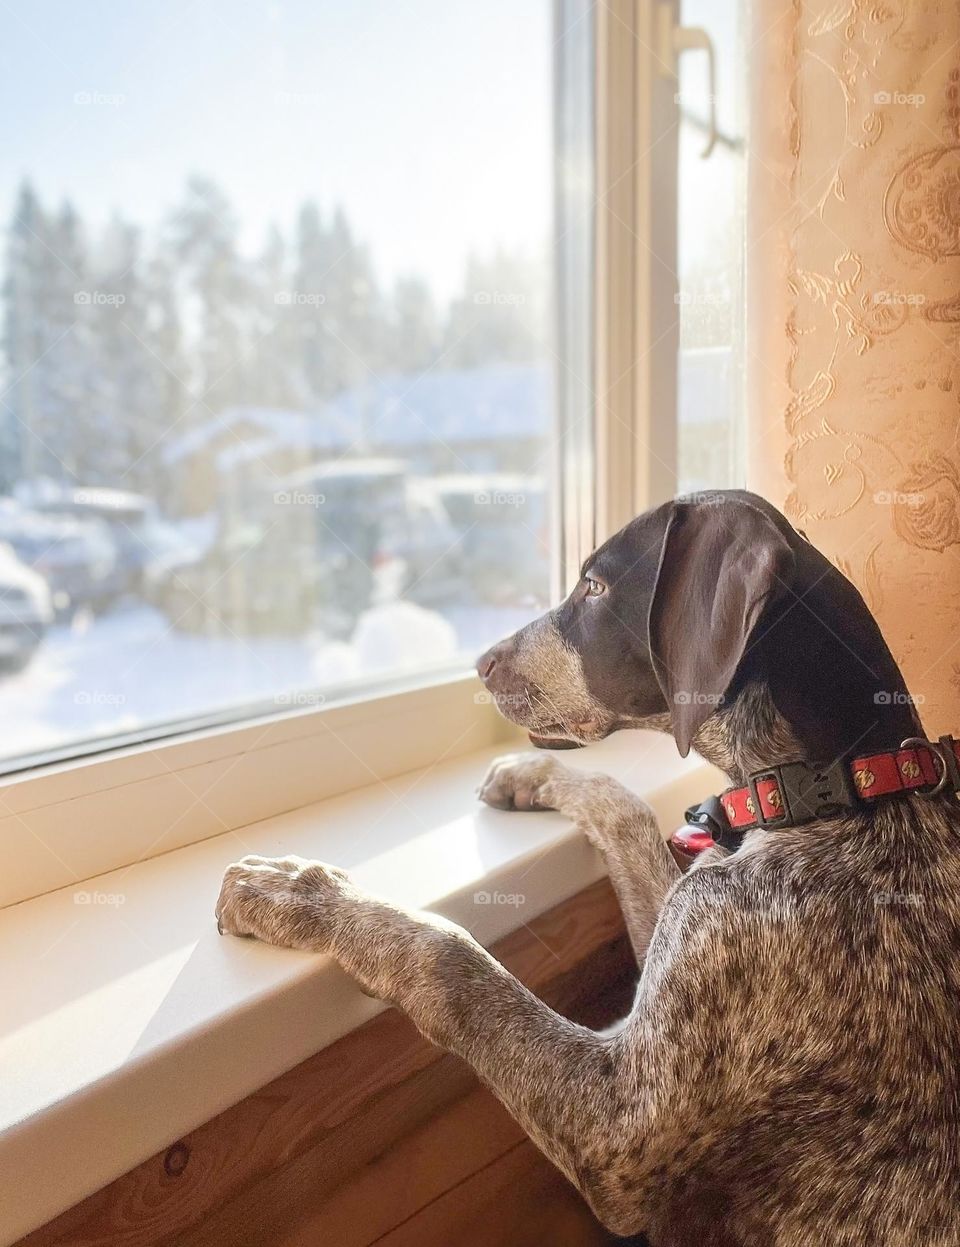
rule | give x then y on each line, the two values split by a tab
278	411
331	337
710	259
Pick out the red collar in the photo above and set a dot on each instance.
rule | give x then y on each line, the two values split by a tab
793	793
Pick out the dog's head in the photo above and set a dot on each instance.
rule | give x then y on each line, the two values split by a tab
682	609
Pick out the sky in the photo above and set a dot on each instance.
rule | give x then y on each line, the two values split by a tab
429	120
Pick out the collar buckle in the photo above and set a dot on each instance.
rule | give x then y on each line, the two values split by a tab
709	818
806	792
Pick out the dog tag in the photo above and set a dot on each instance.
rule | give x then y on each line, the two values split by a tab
690	839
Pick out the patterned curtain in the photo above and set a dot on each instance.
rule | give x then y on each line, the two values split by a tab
853	307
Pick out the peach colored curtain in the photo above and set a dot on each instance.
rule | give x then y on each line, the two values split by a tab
853	307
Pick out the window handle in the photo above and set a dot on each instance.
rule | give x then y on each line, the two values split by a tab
674	40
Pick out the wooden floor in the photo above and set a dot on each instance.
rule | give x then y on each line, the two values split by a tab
380	1138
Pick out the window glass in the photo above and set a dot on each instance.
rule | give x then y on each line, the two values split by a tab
277	351
710	247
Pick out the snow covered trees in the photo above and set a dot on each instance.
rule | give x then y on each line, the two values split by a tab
114	341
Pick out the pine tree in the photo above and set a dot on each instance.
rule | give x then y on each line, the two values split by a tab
128	417
63	370
23	338
319	352
164	337
275	374
499	317
354	310
202	235
414	334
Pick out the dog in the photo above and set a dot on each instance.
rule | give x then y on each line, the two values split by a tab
790	1071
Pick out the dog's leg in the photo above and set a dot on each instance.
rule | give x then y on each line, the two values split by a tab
619	823
564	1084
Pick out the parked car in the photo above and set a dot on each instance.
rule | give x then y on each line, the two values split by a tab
76	558
78	565
418	553
25	611
501	521
132	522
315	550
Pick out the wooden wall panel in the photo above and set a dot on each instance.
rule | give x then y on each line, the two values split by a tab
380	1137
518	1199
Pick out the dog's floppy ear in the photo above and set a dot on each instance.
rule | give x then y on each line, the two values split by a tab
721	563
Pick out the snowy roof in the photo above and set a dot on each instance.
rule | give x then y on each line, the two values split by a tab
476	404
344	469
490	482
318	430
236	453
503	401
43	493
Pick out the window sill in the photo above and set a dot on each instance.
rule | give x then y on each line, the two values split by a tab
130	1022
72	820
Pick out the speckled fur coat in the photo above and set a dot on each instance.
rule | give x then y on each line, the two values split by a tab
789	1075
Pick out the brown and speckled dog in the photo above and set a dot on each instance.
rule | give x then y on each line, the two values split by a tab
790	1073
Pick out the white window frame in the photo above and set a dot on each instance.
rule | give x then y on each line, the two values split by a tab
616	456
637	325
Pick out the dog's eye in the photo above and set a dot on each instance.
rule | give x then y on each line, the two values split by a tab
595	587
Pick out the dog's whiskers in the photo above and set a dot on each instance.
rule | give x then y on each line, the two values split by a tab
561	719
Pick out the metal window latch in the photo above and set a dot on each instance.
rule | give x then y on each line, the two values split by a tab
673	40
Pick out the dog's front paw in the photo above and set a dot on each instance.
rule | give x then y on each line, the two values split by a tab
521	782
288	901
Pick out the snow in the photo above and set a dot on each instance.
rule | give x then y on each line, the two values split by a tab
129	670
399	634
491	403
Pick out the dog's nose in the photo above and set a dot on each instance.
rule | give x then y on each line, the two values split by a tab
487	663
